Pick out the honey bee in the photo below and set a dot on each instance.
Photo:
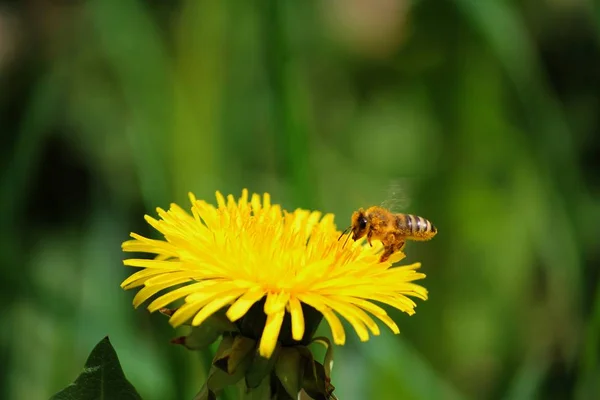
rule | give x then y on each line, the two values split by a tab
393	230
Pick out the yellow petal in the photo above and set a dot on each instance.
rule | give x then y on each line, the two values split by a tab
176	294
141	275
394	258
243	304
357	324
141	244
215	305
270	334
220	200
400	302
276	302
297	318
244	198
346	308
149	291
376	311
167	277
136	262
337	329
185	312
255	203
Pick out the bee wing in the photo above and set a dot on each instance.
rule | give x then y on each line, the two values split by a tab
397	195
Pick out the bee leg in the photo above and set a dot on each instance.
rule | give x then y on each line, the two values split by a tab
400	245
369	236
389	250
391	246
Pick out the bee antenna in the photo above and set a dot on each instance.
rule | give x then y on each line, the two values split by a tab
346	241
345	231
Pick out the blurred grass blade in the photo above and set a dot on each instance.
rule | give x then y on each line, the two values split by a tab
527	381
414	377
199	77
290	102
132	45
500	24
40	115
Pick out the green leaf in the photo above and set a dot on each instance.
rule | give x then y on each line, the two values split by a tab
102	378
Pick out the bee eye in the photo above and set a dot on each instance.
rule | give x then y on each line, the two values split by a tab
362	223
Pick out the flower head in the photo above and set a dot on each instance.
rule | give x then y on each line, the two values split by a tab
249	252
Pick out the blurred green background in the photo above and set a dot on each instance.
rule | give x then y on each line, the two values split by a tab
489	109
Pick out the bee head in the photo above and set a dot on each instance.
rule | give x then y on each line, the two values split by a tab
360	224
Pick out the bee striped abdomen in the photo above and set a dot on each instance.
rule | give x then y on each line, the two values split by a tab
415	227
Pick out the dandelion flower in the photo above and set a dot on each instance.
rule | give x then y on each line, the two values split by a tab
248	255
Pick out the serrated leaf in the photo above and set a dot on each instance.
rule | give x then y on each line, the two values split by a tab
102	378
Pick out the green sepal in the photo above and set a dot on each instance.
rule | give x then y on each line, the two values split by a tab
289	369
260	368
280	393
328	360
102	378
237	355
167	311
199	338
310	370
205	334
316	381
219	378
319	386
205	394
260	392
